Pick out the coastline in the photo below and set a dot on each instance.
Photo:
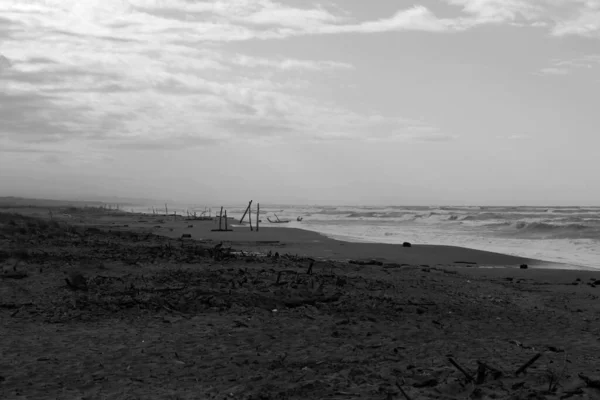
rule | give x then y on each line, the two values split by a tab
319	246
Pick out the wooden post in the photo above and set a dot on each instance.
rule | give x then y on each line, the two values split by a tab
220	217
225	219
257	215
166	210
250	218
246	212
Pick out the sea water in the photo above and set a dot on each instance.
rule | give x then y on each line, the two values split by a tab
569	235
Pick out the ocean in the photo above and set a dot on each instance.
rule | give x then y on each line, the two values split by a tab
569	235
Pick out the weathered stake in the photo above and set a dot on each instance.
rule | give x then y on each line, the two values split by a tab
220	217
246	212
257	215
250	218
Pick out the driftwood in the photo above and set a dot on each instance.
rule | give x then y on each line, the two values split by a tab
369	262
458	367
406	396
528	364
16	275
245	212
593	383
12	306
311	301
496	373
480	374
310	267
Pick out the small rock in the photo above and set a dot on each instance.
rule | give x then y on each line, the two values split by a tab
406	244
524	266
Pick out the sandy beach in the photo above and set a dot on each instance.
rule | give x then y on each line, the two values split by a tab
217	315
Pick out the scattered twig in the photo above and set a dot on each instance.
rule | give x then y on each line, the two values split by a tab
593	383
239	324
555	378
528	364
465	373
310	267
311	301
16	275
496	373
406	396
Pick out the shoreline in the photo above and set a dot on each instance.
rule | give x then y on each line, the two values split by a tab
306	242
319	246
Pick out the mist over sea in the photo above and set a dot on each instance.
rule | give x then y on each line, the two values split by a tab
568	235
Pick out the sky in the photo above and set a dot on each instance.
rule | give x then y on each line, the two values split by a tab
383	102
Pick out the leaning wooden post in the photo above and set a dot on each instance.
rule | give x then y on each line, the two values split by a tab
257	215
246	212
250	218
220	217
225	219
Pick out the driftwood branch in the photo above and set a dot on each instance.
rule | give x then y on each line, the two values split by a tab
458	367
593	383
496	373
16	275
528	364
406	396
311	301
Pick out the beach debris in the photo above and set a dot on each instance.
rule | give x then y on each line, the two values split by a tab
524	266
246	212
406	244
517	343
555	349
220	217
76	281
367	262
406	396
257	216
395	265
14	275
186	236
593	383
278	221
461	369
299	219
528	364
310	267
496	373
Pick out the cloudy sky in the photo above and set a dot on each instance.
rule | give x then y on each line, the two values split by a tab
301	101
